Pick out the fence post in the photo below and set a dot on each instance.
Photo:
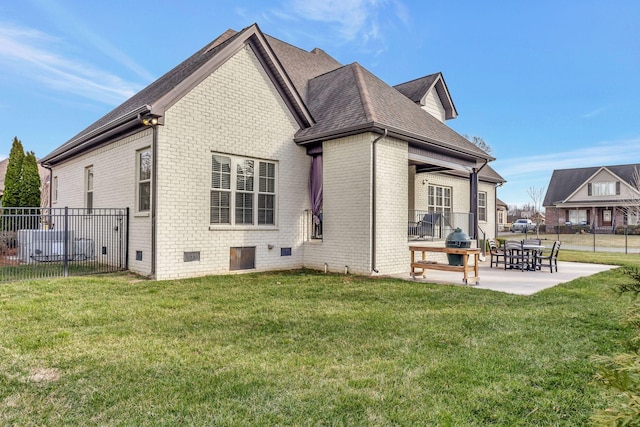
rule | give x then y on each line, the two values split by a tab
594	240
126	241
625	239
65	236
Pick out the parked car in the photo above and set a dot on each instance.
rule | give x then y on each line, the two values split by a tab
522	225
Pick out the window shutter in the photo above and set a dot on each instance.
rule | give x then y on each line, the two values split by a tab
589	189
617	188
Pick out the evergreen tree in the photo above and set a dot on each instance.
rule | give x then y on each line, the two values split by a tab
30	182
11	196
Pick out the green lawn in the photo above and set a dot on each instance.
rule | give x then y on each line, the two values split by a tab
303	348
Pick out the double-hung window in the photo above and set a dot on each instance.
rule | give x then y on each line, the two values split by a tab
243	191
439	199
54	190
144	179
482	206
88	186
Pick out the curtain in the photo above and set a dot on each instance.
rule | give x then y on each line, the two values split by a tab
315	187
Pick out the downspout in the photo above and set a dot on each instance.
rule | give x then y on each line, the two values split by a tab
474	187
154	198
373	201
50	169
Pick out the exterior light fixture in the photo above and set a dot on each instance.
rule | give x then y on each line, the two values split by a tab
148	120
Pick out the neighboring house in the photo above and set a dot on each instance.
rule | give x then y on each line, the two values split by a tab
502	213
602	196
44	179
259	146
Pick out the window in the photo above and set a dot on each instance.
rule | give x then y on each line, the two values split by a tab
54	190
233	184
144	180
577	216
482	206
439	199
604	188
88	173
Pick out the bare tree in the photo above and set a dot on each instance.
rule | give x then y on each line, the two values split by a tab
536	195
480	143
631	206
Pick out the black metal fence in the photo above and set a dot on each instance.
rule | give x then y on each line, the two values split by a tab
425	225
59	242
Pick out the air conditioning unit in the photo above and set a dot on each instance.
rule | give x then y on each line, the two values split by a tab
84	249
44	245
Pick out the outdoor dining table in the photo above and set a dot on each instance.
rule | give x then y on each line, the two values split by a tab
532	252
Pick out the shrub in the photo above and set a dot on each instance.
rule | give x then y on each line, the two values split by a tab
621	372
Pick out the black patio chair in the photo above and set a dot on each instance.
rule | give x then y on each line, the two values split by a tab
552	257
496	253
426	226
515	255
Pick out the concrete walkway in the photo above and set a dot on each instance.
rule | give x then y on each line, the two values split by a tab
515	281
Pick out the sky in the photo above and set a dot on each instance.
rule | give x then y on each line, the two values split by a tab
547	84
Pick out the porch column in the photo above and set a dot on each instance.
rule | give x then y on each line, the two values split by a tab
473	203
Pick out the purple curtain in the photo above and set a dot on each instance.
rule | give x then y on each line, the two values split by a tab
315	186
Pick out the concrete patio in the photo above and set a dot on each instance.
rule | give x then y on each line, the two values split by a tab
515	281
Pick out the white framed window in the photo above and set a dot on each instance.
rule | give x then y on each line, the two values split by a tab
88	186
604	188
577	216
54	190
143	178
439	199
236	197
482	206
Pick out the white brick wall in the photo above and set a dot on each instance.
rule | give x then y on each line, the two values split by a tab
238	111
114	174
460	193
347	207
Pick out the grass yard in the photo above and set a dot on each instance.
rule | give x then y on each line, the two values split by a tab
303	348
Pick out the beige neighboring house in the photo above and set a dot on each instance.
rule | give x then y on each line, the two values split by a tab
256	155
502	213
603	197
44	181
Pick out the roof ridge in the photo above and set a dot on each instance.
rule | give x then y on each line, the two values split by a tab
365	97
418	78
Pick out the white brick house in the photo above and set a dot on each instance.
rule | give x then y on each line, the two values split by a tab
214	158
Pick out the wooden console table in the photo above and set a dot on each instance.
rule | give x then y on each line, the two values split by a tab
423	264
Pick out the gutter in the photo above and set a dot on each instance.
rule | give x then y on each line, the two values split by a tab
102	133
154	198
392	132
373	200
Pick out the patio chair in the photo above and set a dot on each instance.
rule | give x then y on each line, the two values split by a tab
532	241
552	257
496	253
425	227
515	255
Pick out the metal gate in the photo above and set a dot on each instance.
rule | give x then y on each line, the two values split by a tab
60	242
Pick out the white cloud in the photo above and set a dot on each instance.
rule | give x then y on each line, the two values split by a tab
37	56
602	154
525	172
350	21
67	22
595	112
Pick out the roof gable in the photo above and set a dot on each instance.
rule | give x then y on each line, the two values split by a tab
418	91
353	99
162	93
565	184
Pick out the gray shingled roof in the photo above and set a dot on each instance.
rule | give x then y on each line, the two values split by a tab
155	90
565	181
338	97
300	65
351	97
415	89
